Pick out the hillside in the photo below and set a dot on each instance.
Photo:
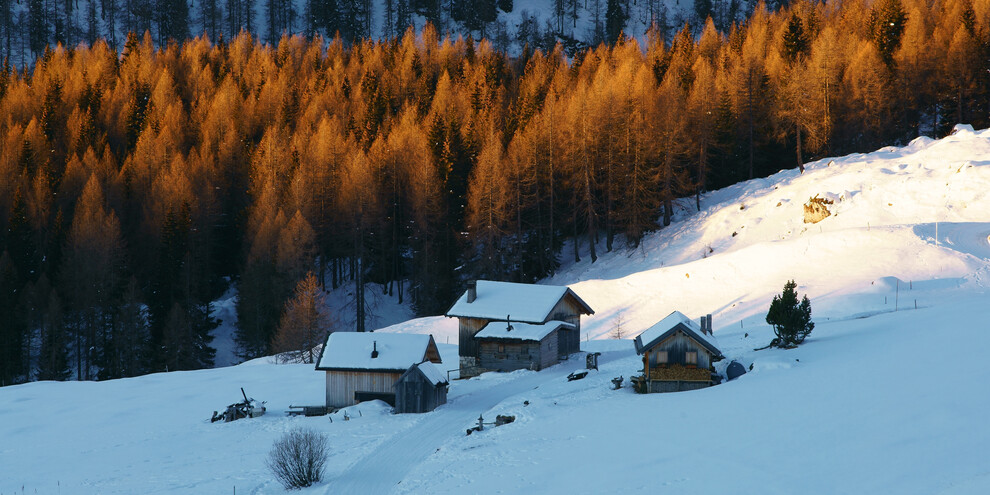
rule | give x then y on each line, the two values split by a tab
865	405
523	21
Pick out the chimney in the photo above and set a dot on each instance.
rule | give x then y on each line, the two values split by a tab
704	325
374	349
472	292
508	324
708	320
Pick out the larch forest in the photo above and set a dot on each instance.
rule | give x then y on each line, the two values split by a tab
142	176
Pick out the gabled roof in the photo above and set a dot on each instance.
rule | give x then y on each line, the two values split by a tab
429	371
528	303
352	351
668	326
520	331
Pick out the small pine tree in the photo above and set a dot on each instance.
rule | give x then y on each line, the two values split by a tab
790	319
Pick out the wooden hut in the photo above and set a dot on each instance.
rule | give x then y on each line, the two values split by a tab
487	302
420	389
515	346
364	365
678	354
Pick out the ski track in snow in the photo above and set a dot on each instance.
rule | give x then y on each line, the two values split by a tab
381	470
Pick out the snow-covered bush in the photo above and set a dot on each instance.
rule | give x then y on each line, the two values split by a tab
297	459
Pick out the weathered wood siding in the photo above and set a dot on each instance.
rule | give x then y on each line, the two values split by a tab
677	347
468	327
341	385
549	352
516	355
568	310
416	394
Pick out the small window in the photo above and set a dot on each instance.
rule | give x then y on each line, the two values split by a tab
661	357
501	348
691	357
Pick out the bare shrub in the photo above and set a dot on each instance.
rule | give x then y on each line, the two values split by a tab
297	459
617	327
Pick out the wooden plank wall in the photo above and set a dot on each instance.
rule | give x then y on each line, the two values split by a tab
467	328
519	355
567	310
418	395
341	385
515	356
676	346
549	353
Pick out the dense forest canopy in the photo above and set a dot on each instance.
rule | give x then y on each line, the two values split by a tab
136	186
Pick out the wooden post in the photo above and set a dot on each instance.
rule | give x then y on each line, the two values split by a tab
646	368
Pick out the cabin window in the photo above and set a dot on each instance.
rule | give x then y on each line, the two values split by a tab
661	357
501	348
691	357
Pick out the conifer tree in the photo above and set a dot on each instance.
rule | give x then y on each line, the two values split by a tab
13	328
886	26
615	20
92	271
53	362
790	319
304	325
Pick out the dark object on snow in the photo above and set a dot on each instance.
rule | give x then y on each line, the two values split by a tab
617	383
592	360
577	375
499	421
480	427
249	408
735	370
504	420
308	411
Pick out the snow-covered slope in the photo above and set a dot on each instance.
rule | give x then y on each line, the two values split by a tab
882	397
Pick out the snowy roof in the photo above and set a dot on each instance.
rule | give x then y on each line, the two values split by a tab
667	326
433	374
519	302
520	331
396	351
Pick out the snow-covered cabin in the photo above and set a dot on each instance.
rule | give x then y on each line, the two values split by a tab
421	389
496	304
365	366
678	354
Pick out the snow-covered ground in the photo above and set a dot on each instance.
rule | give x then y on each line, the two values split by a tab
882	397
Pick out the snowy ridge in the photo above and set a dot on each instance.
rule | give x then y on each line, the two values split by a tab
877	400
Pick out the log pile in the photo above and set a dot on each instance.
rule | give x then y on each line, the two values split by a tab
678	372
